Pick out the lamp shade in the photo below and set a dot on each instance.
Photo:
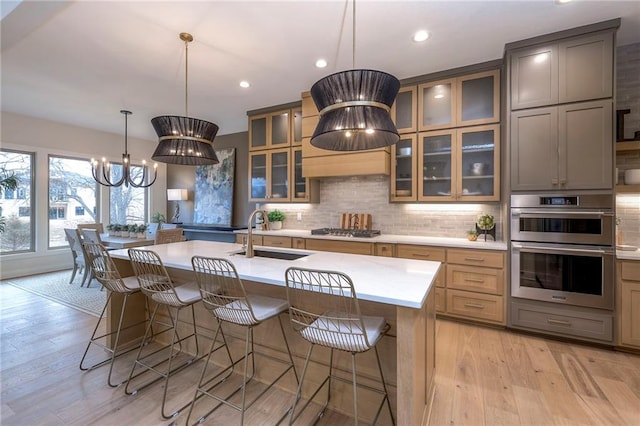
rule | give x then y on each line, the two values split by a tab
354	110
184	140
177	194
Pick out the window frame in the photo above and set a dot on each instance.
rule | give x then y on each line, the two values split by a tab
31	198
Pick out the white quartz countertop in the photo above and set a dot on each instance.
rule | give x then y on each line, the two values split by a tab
394	281
393	239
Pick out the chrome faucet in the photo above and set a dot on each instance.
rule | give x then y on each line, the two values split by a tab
249	251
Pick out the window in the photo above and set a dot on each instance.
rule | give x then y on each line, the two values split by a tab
71	185
127	204
79	211
56	212
17	217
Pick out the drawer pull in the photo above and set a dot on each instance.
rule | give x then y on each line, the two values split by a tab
474	305
276	243
421	255
558	322
474	280
474	259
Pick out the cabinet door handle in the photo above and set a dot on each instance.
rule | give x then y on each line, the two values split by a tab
276	243
474	305
554	181
558	322
421	255
474	280
563	181
474	259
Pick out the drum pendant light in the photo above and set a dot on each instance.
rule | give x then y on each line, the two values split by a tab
184	140
354	108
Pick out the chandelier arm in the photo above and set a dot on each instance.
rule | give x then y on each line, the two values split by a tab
144	175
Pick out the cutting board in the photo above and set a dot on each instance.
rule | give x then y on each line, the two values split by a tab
355	221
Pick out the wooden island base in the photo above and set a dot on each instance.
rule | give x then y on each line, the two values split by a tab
407	353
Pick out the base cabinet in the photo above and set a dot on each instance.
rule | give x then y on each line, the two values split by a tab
628	303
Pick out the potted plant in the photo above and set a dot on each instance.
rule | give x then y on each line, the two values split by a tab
110	229
133	231
142	230
275	219
486	223
472	235
158	218
117	229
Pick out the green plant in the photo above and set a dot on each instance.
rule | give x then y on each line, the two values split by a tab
158	218
142	228
110	227
618	221
485	221
276	216
472	232
7	182
117	227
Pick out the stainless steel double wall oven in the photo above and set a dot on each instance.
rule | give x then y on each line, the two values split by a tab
563	248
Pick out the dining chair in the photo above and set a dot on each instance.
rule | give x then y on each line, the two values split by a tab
106	272
91	235
164	236
97	226
168	226
337	325
225	297
159	288
80	263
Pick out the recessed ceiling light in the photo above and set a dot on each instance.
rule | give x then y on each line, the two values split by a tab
420	36
244	84
321	63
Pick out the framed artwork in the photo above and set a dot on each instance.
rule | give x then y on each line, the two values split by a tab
213	199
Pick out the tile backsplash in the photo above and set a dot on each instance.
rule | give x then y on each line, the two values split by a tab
370	194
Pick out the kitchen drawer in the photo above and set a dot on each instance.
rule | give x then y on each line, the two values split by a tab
483	280
486	258
384	249
298	243
440	300
354	247
273	241
485	307
630	271
563	320
409	251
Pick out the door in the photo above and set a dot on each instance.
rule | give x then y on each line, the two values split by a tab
478	152
436	166
534	149
534	76
404	169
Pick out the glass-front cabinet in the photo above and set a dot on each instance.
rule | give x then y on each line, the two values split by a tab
271	130
296	126
459	165
463	101
404	169
269	175
300	183
404	110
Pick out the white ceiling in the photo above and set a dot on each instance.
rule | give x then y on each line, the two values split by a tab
81	62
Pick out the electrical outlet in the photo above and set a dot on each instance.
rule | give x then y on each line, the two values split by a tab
299	215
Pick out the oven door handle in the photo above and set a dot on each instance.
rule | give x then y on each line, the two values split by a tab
565	213
560	250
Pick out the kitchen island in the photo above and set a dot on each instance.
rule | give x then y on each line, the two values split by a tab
398	289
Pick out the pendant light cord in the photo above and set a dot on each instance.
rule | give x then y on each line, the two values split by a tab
353	57
186	78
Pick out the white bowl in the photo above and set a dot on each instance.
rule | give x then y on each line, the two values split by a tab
632	177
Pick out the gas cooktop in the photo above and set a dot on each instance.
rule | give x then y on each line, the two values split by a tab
341	232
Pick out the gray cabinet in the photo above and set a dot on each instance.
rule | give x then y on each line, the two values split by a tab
562	147
573	70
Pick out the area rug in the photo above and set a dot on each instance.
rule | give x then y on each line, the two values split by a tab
55	286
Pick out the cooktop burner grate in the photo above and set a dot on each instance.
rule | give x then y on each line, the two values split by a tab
341	232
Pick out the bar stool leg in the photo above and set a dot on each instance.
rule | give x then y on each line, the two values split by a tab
384	387
355	388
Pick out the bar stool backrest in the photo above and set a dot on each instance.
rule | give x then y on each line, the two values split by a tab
340	326
153	277
104	269
223	292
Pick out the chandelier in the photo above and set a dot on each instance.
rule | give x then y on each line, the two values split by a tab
354	108
184	140
127	178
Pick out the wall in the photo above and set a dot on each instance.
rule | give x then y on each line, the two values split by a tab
184	177
45	137
628	97
370	194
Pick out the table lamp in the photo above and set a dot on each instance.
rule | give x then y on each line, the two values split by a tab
177	195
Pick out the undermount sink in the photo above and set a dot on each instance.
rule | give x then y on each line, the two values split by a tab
282	255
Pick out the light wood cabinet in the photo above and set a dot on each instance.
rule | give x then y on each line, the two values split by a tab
463	101
404	169
628	311
277	129
563	147
242	239
384	249
269	174
409	251
276	241
317	162
459	165
298	243
353	247
404	111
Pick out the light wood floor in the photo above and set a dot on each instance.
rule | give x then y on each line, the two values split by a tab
484	377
